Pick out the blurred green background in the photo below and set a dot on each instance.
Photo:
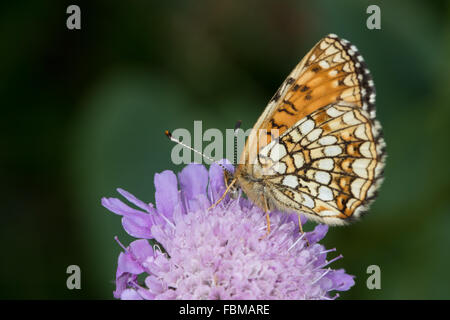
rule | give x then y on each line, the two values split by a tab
83	112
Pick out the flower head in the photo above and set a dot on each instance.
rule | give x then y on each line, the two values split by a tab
219	253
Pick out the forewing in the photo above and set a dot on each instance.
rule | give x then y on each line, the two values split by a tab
332	71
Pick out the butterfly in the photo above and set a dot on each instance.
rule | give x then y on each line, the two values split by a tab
317	149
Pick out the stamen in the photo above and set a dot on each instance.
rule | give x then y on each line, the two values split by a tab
323	275
272	225
332	298
329	262
120	244
167	220
156	246
126	250
211	195
296	241
314	259
326	251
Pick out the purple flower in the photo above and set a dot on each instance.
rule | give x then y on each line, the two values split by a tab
218	253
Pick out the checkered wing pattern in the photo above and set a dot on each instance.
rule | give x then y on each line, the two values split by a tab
322	152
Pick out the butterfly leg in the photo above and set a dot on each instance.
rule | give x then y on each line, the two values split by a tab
266	210
268	222
224	194
301	229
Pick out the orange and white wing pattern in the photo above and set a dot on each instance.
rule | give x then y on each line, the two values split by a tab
327	158
328	166
333	70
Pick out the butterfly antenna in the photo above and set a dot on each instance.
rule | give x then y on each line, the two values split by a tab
169	135
236	129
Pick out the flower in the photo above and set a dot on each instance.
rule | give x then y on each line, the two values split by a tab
220	253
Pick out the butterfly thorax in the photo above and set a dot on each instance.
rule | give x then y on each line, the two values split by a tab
250	183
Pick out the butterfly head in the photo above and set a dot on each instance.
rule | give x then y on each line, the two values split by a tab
235	188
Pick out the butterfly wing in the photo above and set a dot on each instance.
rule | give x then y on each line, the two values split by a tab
321	151
332	71
328	165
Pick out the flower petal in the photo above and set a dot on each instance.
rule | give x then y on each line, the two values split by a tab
127	264
141	249
154	285
130	197
121	284
193	182
135	222
136	229
317	234
293	217
118	207
216	185
341	280
130	294
166	195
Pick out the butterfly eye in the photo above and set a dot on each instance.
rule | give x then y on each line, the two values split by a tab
234	192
